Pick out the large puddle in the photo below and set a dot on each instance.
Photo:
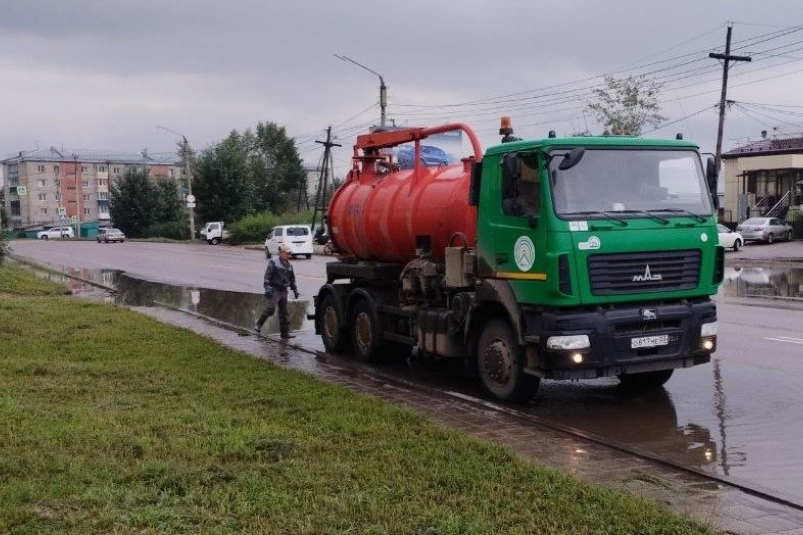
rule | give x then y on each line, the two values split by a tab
763	282
720	418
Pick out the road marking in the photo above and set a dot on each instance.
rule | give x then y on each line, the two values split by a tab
787	339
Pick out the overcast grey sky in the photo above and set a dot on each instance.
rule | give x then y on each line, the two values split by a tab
102	74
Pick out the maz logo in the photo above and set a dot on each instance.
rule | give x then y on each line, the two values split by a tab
647	276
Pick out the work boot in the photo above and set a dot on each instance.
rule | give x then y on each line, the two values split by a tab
285	332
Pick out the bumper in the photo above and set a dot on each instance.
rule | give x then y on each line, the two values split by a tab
621	340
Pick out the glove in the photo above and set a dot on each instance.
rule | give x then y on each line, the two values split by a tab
295	294
269	292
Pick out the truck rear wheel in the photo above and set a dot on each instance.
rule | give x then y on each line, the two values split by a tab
500	364
333	331
364	331
645	380
214	241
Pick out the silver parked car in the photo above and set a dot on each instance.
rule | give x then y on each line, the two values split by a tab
106	235
766	229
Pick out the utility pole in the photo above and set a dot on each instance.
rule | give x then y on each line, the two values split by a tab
383	90
190	196
726	58
320	196
185	153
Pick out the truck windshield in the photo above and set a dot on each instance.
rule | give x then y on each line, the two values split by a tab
627	183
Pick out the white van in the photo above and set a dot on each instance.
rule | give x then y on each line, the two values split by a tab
297	237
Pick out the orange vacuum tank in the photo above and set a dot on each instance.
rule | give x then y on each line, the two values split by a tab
379	211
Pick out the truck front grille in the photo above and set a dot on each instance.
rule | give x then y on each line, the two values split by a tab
658	271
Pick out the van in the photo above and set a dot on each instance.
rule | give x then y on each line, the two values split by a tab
297	237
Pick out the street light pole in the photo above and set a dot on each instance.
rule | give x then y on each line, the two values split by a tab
383	90
185	152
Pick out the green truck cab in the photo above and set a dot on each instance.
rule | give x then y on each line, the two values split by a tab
600	255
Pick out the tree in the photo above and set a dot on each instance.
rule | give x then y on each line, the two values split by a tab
131	203
248	173
278	172
626	105
167	204
221	181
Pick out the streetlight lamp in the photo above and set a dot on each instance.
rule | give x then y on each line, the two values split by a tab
185	151
383	90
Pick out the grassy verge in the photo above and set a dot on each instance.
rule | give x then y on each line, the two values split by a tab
115	423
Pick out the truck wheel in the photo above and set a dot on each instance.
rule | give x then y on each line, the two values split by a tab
214	241
364	331
645	380
333	332
500	364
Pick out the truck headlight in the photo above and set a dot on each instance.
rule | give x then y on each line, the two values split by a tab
708	329
708	336
565	343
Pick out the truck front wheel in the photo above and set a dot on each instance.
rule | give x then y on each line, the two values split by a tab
500	363
645	380
333	332
364	331
214	241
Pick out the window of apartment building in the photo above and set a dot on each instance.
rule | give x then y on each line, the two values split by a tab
56	169
43	196
40	168
41	182
103	196
101	168
85	184
72	202
116	170
86	198
43	211
172	173
87	211
84	169
103	182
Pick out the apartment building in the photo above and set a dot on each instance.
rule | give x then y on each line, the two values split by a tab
47	187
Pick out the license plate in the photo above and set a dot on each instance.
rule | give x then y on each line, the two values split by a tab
649	341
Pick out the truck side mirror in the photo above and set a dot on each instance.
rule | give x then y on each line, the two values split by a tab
511	172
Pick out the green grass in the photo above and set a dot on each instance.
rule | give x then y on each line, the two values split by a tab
115	423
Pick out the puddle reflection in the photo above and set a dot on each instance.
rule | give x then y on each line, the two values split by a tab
234	308
763	282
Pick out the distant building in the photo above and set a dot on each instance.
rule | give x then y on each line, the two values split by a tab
764	178
49	187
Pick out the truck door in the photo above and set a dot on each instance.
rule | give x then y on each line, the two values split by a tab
517	224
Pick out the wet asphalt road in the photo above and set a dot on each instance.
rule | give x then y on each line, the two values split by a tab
738	416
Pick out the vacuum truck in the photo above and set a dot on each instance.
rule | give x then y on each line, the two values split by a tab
556	258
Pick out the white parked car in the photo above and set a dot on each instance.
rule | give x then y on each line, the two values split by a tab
729	239
55	233
297	237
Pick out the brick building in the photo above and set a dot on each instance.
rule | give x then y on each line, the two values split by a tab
48	187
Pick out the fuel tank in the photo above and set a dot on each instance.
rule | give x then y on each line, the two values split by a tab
380	211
